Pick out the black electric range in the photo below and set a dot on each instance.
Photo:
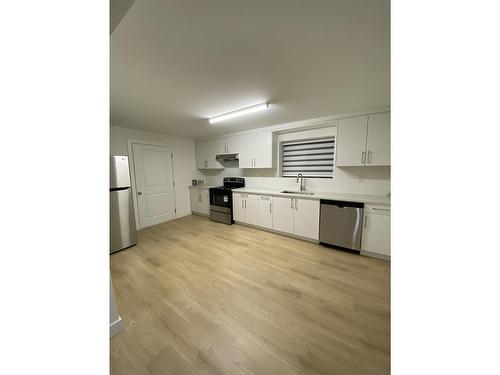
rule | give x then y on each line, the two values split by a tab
221	199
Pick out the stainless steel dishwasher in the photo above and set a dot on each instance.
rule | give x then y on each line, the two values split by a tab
341	224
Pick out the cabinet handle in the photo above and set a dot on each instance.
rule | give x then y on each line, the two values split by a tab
245	203
366	221
369	158
295	203
270	207
242	203
291	203
363	155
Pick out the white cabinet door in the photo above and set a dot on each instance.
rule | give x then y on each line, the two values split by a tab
194	198
351	141
378	140
283	214
201	155
263	149
306	218
219	146
214	148
266	212
238	209
246	152
235	143
251	205
204	206
376	236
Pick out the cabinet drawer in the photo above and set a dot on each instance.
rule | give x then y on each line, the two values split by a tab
381	209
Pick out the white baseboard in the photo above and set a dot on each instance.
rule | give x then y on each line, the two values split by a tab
375	255
116	326
182	214
278	232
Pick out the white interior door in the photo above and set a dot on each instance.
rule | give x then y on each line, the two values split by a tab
154	184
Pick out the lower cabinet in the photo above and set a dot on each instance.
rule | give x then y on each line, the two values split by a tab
376	237
247	208
283	214
200	201
296	216
306	218
266	211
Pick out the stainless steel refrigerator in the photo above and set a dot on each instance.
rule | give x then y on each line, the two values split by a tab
122	229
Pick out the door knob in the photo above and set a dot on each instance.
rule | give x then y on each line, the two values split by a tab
139	193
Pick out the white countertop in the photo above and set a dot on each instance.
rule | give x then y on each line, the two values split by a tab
361	198
202	186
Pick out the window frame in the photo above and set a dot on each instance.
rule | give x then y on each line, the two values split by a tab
305	140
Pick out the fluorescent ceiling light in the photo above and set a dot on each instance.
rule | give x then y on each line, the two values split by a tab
239	112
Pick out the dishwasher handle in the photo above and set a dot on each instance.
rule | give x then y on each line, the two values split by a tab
342	204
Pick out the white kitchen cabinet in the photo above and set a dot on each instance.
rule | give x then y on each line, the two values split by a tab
205	154
200	201
201	155
351	141
306	218
266	211
256	150
246	208
363	141
263	149
376	236
231	144
378	140
252	210
283	214
238	208
296	216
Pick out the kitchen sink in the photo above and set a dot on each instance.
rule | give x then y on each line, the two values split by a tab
297	192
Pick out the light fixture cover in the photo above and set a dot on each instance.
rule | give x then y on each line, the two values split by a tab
239	112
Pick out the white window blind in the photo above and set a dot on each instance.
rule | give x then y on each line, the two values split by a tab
312	158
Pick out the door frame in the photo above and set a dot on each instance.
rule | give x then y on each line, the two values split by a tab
130	142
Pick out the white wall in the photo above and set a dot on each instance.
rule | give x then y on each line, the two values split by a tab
184	158
356	180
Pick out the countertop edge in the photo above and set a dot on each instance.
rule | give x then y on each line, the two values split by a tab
360	198
201	186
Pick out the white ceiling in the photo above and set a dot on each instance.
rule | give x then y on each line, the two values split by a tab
176	62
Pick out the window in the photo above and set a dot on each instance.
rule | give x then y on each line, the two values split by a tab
312	158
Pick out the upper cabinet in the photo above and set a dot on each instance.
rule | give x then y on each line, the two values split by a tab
255	150
205	155
378	139
364	141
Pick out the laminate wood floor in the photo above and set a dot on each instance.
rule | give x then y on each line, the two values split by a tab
200	297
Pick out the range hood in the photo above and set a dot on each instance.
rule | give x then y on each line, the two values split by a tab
227	157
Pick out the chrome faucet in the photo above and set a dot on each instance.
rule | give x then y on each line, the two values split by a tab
302	188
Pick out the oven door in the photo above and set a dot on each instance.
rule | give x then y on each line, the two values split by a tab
220	197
